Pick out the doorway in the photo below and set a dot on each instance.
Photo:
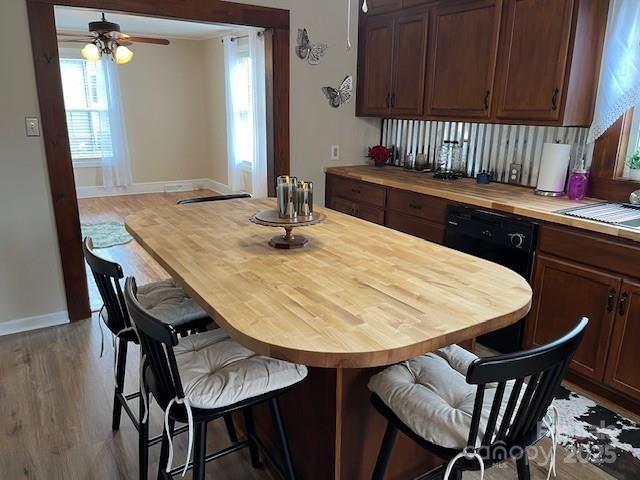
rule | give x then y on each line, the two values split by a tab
275	23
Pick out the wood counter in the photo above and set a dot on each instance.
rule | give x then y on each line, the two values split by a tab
505	198
358	295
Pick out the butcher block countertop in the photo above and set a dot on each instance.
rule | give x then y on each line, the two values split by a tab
513	199
357	295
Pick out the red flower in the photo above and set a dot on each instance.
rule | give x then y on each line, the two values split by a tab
379	153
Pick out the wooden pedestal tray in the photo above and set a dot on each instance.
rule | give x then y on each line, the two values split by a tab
270	218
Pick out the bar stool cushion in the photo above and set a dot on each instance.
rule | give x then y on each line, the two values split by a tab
169	303
431	396
216	371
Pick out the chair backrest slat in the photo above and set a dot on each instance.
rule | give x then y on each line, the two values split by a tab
544	367
107	275
157	340
493	415
508	411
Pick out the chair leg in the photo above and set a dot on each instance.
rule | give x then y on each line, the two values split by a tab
251	432
385	452
231	429
199	450
164	450
522	464
143	440
282	435
121	367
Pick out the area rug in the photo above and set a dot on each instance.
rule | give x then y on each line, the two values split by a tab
595	434
106	234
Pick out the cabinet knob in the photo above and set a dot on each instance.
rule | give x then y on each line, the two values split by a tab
486	99
415	207
610	299
388	100
554	99
623	303
356	191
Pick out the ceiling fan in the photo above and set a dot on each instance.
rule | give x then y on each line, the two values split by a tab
105	38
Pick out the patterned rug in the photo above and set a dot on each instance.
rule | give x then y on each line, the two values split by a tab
595	434
106	234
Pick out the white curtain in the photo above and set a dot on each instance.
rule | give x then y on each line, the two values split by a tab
619	88
246	112
116	170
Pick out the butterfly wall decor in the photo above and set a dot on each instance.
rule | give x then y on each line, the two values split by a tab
305	50
341	95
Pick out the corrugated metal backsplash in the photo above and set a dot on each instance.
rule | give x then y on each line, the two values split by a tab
484	146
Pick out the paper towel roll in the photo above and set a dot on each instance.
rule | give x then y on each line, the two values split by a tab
553	168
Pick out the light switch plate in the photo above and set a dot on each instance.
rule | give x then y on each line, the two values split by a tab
335	152
32	126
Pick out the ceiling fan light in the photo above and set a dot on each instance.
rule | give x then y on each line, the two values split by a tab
123	55
91	52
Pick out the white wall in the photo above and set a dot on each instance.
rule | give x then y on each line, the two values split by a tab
30	272
30	275
164	90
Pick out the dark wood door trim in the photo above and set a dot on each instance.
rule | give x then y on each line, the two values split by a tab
54	127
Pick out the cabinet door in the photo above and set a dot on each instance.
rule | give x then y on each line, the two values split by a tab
622	367
381	6
462	58
376	53
409	69
565	292
534	47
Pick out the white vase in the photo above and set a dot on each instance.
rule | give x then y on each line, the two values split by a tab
634	174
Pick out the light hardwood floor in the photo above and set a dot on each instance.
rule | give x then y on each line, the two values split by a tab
134	260
56	397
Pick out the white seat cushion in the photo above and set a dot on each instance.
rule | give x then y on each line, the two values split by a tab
169	303
431	396
216	371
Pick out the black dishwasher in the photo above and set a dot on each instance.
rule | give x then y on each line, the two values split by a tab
508	241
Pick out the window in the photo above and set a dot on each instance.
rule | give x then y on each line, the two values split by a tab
242	115
85	99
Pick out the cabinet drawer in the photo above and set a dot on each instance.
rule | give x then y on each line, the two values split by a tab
359	191
417	227
597	251
415	204
363	211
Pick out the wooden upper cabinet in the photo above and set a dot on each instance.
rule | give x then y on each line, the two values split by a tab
407	95
534	52
622	367
382	6
393	55
462	58
376	67
563	293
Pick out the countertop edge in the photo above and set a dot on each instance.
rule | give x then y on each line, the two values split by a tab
471	199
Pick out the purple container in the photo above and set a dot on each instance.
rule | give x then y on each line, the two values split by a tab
577	186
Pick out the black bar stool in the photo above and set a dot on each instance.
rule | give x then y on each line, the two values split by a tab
200	378
471	412
175	308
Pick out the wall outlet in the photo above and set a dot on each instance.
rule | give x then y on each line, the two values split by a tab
335	152
515	172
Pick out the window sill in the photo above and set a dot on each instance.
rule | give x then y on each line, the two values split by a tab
87	164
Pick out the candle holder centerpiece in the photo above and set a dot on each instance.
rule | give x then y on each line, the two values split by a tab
295	209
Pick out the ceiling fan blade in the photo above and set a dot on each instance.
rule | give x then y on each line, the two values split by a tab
154	41
77	40
70	34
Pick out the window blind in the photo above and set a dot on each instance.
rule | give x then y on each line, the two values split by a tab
86	106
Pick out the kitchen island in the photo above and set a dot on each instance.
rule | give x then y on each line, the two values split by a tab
358	297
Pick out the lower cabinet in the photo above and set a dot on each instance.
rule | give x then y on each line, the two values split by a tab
564	292
622	370
417	227
361	210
